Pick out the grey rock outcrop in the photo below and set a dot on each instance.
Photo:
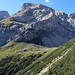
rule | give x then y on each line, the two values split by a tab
41	25
4	15
31	12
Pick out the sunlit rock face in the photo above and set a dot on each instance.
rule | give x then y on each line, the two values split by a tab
41	25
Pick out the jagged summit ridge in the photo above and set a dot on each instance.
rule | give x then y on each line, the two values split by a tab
32	12
72	15
32	6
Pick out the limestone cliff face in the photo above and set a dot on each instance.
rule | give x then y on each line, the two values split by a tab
4	15
41	25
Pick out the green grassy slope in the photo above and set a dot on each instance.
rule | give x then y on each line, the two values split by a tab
38	65
12	59
65	66
32	61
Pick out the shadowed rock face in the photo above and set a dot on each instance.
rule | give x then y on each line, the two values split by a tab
4	15
41	25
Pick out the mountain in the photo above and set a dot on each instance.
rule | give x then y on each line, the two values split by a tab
4	15
31	42
39	24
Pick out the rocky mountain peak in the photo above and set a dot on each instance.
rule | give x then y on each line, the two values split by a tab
32	12
4	14
72	15
26	5
39	24
61	14
33	6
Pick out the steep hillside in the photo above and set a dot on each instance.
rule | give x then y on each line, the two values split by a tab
16	56
19	58
37	68
39	24
64	66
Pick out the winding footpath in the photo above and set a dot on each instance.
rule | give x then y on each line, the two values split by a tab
53	61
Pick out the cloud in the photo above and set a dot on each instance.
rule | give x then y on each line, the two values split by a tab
49	1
